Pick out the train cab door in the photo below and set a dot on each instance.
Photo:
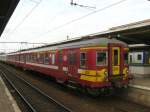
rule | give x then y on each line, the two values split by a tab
115	64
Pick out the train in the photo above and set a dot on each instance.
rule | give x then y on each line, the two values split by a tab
94	64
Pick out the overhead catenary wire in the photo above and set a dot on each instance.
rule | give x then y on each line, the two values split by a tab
22	43
27	15
84	16
35	1
85	6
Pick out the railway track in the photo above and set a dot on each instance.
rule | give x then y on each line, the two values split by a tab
37	100
77	103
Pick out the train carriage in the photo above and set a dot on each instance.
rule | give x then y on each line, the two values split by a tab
94	64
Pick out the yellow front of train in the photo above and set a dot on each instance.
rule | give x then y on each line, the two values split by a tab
112	72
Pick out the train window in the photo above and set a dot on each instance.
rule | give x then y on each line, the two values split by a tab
41	58
101	58
60	57
53	58
17	57
72	58
46	58
50	57
83	59
116	56
34	57
28	58
22	58
126	58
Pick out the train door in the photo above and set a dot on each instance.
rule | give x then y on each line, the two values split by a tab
60	60
72	64
115	64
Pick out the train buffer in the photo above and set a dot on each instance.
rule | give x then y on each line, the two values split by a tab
7	103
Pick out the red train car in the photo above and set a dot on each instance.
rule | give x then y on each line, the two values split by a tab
95	64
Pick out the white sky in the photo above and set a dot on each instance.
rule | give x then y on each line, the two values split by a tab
40	25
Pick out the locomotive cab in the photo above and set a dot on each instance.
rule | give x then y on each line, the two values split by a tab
105	66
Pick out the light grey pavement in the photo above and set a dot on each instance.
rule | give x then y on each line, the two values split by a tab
7	103
141	81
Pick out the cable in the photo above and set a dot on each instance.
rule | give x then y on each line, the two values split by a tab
22	43
85	6
28	14
35	1
77	19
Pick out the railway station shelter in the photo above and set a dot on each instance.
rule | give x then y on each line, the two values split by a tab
137	35
7	8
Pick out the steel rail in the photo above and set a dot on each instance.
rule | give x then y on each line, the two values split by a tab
42	93
23	98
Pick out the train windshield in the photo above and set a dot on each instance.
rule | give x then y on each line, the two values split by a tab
101	58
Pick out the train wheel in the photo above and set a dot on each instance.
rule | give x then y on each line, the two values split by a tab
82	90
59	81
93	92
109	91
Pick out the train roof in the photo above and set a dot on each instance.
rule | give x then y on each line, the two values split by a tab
74	43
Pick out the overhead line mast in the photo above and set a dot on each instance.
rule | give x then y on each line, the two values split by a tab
75	4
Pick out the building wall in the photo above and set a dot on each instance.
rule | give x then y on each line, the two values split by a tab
140	71
139	62
136	57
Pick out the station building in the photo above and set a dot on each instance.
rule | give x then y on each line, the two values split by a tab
139	60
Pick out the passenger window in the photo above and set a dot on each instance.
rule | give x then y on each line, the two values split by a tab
53	58
28	58
83	59
46	58
32	57
101	58
21	58
72	58
41	58
60	57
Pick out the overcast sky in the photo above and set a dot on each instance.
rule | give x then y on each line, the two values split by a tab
42	21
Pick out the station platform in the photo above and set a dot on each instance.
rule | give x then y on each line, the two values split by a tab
138	91
7	103
141	83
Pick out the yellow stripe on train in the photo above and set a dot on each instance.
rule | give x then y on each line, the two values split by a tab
92	75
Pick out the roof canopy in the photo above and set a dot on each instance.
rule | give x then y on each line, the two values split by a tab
6	10
134	33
